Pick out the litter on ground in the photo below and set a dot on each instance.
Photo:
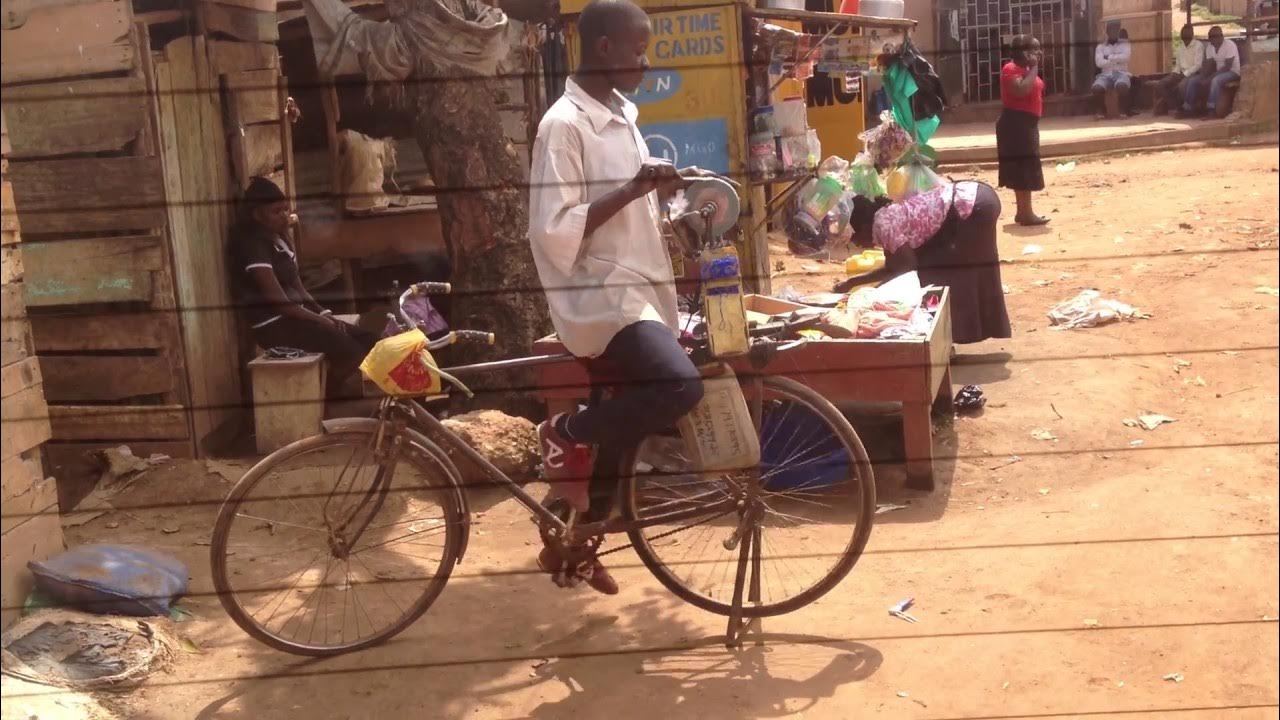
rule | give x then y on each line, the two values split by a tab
1090	309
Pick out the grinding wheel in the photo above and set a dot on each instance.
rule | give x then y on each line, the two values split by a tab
719	194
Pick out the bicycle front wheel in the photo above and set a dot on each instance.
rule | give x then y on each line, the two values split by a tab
324	547
815	495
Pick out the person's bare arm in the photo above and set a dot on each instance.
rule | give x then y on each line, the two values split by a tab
686	177
895	264
1024	85
654	175
603	208
308	301
274	294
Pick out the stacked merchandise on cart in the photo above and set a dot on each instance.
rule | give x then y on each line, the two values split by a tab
898	310
781	143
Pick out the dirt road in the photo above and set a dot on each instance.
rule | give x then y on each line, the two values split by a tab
1054	578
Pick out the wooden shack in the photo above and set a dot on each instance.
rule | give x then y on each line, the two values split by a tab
125	207
370	247
135	125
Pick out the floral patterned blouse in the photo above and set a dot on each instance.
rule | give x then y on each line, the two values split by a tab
915	220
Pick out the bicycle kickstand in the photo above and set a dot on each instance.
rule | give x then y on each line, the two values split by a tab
748	554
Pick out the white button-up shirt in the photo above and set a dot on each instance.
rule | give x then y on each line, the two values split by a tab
1113	58
1190	58
621	274
1226	57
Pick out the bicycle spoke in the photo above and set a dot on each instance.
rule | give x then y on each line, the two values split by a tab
381	585
284	594
814	516
397	539
281	523
407	532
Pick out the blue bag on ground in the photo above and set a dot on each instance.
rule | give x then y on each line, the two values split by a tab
112	579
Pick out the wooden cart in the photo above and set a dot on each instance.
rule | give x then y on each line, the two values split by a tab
916	373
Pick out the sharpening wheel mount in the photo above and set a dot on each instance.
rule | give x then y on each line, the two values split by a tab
720	195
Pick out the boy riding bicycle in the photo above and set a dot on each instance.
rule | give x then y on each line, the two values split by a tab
594	226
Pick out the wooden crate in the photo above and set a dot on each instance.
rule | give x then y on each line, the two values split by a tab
288	399
916	373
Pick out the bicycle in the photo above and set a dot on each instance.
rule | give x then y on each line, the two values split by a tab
738	543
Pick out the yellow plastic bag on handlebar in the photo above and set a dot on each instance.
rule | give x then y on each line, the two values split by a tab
402	366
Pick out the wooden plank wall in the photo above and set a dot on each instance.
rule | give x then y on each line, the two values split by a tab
54	40
200	214
29	524
253	95
246	20
99	261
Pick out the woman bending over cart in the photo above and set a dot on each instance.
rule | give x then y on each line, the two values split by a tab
948	235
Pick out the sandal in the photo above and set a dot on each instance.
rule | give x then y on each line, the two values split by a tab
1033	221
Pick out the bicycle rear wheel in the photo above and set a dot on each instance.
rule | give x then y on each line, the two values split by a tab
816	499
323	548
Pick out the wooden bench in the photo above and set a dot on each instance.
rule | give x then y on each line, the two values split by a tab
1225	103
1227	99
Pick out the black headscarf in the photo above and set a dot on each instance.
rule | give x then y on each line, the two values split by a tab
863	215
261	192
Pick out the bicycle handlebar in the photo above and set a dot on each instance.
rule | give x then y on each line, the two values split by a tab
437	288
430	288
462	335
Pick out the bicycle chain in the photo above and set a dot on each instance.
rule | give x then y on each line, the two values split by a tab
660	536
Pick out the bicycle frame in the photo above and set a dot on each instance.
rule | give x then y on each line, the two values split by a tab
430	426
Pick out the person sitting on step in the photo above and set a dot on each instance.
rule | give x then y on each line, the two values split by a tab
1221	66
1112	58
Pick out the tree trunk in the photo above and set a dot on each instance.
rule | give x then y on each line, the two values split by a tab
483	200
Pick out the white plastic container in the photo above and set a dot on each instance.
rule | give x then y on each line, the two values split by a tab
791	117
718	433
882	8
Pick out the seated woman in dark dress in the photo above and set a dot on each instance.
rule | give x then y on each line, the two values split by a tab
948	235
280	311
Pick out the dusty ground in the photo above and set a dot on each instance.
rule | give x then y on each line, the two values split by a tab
1059	578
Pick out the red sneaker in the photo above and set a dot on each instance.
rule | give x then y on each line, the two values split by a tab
600	580
596	576
567	465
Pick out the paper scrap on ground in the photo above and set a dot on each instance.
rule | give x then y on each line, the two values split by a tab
1151	421
1148	421
1043	434
1032	249
1263	290
1090	309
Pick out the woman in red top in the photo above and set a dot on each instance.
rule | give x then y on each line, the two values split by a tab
1018	129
